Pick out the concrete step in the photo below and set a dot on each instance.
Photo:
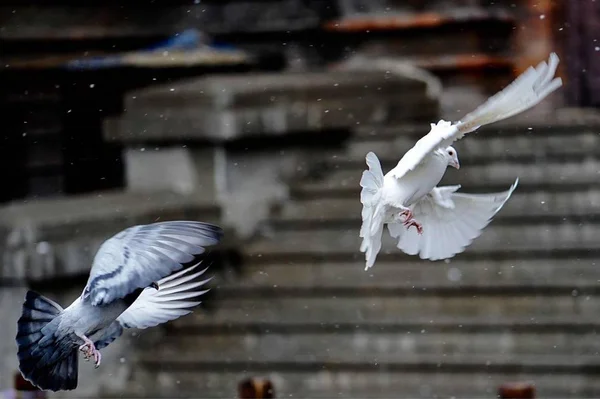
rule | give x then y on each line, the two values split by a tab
490	275
355	307
479	147
581	205
496	239
363	18
205	323
545	123
356	347
492	176
325	383
460	362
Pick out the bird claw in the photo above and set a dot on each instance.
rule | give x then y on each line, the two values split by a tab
407	213
89	351
410	221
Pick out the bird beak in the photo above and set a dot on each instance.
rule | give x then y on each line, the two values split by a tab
455	164
155	286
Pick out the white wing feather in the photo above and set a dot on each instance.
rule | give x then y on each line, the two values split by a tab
450	220
140	255
526	91
373	210
169	302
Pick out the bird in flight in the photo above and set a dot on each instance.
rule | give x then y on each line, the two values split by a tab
445	222
140	277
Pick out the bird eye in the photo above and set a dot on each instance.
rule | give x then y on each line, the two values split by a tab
451	152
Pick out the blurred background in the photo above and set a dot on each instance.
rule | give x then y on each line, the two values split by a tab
257	116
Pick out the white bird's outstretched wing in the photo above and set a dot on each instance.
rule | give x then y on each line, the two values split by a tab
175	297
140	255
450	220
526	91
373	210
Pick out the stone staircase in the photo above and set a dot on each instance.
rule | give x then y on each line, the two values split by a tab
520	303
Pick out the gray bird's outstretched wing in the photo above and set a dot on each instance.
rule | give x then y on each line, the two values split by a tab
176	295
140	255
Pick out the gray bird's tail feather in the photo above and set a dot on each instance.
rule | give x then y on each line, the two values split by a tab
46	359
373	210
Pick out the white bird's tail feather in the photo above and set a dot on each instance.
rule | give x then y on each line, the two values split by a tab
373	210
527	90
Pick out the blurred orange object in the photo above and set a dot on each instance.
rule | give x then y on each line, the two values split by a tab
517	390
254	388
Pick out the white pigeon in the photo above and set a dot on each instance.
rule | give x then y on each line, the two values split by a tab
137	280
446	222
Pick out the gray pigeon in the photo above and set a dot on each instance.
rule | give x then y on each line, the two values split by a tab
137	280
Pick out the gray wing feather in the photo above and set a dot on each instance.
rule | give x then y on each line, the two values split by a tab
175	297
140	255
112	332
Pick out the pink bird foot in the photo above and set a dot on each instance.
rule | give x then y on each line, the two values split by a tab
407	213
89	351
412	222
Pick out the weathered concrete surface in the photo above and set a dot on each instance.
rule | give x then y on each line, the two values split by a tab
178	169
491	177
481	147
253	182
275	119
255	89
30	22
413	275
319	381
556	121
228	107
495	238
384	347
520	302
395	67
380	308
538	205
11	299
245	184
223	109
59	237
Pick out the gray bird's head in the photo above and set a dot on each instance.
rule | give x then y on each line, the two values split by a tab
451	156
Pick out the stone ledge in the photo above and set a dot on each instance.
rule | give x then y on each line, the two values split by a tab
481	148
351	347
280	118
403	20
350	384
114	20
466	363
543	121
543	273
58	237
221	108
496	239
252	89
374	309
524	207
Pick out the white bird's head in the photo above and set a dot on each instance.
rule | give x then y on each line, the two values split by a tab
451	156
